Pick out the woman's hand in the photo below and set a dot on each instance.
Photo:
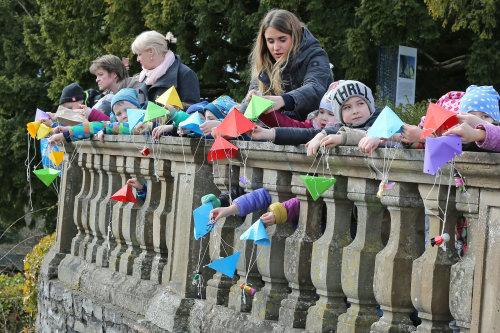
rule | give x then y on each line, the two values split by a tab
368	144
314	144
55	139
135	184
410	133
250	94
268	219
279	102
221	212
260	133
47	122
208	125
160	130
467	133
100	135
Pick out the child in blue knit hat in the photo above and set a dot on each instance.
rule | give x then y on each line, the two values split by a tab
481	101
123	100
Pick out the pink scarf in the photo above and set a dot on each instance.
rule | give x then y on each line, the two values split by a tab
152	75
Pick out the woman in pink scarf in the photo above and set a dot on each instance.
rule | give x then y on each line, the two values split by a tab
161	69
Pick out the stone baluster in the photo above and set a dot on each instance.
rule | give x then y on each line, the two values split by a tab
86	216
298	256
191	182
221	236
358	258
94	216
113	182
236	300
129	224
431	271
77	211
462	273
142	264
117	239
394	263
326	260
161	228
266	302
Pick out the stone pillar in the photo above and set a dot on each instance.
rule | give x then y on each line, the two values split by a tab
221	236
77	211
129	224
161	243
118	246
113	182
462	273
236	300
326	263
93	179
431	271
358	259
298	256
94	216
144	231
191	182
394	263
266	302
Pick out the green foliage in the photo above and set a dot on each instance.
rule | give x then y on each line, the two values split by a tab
12	314
475	15
32	263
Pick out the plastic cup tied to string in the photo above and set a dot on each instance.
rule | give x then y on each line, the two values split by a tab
383	186
247	288
459	182
440	241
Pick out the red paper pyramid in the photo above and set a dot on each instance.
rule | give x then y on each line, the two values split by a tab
124	195
234	125
221	149
438	118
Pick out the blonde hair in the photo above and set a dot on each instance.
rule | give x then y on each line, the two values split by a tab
261	57
153	40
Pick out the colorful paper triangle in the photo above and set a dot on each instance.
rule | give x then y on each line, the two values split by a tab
134	116
124	195
257	233
43	131
47	176
227	265
386	125
234	125
438	151
193	123
256	107
41	114
33	128
317	185
56	157
154	111
221	149
170	97
201	216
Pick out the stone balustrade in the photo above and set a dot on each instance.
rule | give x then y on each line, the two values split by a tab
354	263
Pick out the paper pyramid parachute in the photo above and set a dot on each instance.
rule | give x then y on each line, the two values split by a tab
193	123
56	157
221	149
134	116
226	265
257	233
317	185
386	125
124	195
40	115
234	125
438	151
201	219
256	107
438	118
33	128
170	97
154	111
43	131
47	176
46	150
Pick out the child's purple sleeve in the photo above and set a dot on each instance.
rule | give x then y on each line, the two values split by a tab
96	115
292	209
253	201
492	139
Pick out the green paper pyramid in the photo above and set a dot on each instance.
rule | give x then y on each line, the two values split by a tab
317	185
257	106
47	176
154	111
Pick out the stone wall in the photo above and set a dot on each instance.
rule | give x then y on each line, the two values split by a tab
117	267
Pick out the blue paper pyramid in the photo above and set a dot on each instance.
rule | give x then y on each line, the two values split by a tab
257	233
201	219
226	265
45	150
134	116
386	125
193	123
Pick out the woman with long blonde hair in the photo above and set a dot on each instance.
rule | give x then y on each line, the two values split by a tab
289	66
